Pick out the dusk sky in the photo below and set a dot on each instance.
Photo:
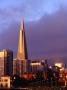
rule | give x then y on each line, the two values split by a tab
45	27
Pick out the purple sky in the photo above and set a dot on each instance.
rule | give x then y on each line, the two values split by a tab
45	26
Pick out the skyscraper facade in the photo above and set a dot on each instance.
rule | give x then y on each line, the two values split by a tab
22	51
22	47
14	66
6	62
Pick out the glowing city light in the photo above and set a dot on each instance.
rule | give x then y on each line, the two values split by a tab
60	65
36	64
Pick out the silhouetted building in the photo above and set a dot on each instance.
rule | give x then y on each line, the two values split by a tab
6	62
38	65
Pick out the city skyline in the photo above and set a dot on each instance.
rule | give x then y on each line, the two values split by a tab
45	30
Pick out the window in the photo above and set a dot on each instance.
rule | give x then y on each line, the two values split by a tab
1	85
5	80
6	85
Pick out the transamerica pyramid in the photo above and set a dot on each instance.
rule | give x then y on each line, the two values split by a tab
22	47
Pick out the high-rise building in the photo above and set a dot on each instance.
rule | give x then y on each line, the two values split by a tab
6	62
14	66
22	51
22	48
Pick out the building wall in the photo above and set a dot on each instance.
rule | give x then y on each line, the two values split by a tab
21	67
14	66
6	65
2	67
9	63
38	65
5	82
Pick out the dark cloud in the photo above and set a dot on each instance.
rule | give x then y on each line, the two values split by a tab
46	37
9	37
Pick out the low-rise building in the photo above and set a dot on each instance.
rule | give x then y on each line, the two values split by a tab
5	82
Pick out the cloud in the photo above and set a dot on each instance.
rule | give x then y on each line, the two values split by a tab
45	25
48	36
29	9
9	38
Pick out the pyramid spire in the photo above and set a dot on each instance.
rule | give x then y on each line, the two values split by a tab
22	25
22	49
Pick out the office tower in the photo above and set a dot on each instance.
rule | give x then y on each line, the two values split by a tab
18	66
36	65
14	66
6	62
22	51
